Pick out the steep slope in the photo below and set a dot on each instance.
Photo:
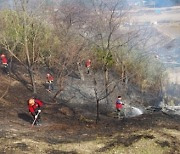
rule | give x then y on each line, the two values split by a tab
69	130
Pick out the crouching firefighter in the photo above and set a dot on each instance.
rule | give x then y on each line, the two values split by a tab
35	110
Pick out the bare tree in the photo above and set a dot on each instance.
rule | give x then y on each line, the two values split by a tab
103	31
68	52
23	36
101	94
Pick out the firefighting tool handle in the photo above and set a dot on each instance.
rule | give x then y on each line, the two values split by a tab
36	116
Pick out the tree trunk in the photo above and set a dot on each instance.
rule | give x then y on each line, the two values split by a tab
60	83
97	107
80	71
106	78
97	101
32	80
122	72
27	49
56	94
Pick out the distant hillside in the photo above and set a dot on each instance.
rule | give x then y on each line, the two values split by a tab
164	3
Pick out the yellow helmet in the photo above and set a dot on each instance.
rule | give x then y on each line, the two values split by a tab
31	102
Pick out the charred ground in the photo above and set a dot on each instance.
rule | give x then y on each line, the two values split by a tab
70	130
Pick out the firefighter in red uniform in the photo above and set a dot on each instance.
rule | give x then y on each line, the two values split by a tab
4	62
119	106
34	106
88	65
49	81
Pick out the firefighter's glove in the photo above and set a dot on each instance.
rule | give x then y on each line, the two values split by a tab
39	111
